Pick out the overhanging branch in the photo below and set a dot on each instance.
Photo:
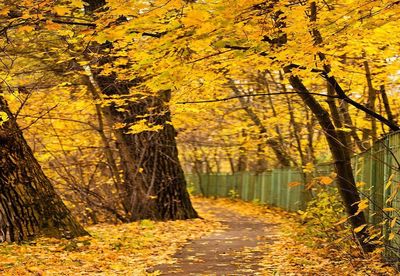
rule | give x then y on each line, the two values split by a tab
342	95
254	95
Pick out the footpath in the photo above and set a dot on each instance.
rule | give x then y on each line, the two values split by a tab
256	240
233	250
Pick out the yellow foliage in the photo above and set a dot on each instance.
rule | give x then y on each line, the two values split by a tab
143	125
3	118
325	180
60	10
359	228
362	205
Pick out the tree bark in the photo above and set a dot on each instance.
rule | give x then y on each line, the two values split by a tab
29	205
153	175
382	92
154	182
242	161
370	102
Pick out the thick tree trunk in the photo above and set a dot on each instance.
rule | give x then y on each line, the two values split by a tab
29	205
154	182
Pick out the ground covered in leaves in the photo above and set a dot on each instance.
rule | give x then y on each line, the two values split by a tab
124	249
140	248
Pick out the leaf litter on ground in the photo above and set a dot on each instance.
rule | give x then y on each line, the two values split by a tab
123	249
134	248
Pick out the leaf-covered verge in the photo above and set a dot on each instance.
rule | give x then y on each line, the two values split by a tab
134	248
124	249
296	251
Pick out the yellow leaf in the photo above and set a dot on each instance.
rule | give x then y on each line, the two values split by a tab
3	117
391	236
195	17
359	228
26	28
360	184
294	184
362	205
309	167
143	125
344	129
393	222
119	125
61	10
4	11
343	220
77	3
389	209
326	180
52	26
389	182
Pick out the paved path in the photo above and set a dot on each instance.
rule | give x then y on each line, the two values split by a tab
230	251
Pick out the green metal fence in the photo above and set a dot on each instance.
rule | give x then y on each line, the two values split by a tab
376	171
269	188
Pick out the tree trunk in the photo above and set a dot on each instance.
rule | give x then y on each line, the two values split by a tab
154	182
339	148
385	100
153	175
242	161
29	205
371	101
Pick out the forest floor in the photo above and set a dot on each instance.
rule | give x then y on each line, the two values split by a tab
233	238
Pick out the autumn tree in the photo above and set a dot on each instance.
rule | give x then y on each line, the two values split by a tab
29	205
154	182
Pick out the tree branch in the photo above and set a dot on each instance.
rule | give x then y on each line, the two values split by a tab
256	95
342	95
73	23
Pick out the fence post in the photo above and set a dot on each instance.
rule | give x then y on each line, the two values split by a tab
387	192
373	184
273	188
259	183
216	178
208	185
288	196
279	191
262	192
